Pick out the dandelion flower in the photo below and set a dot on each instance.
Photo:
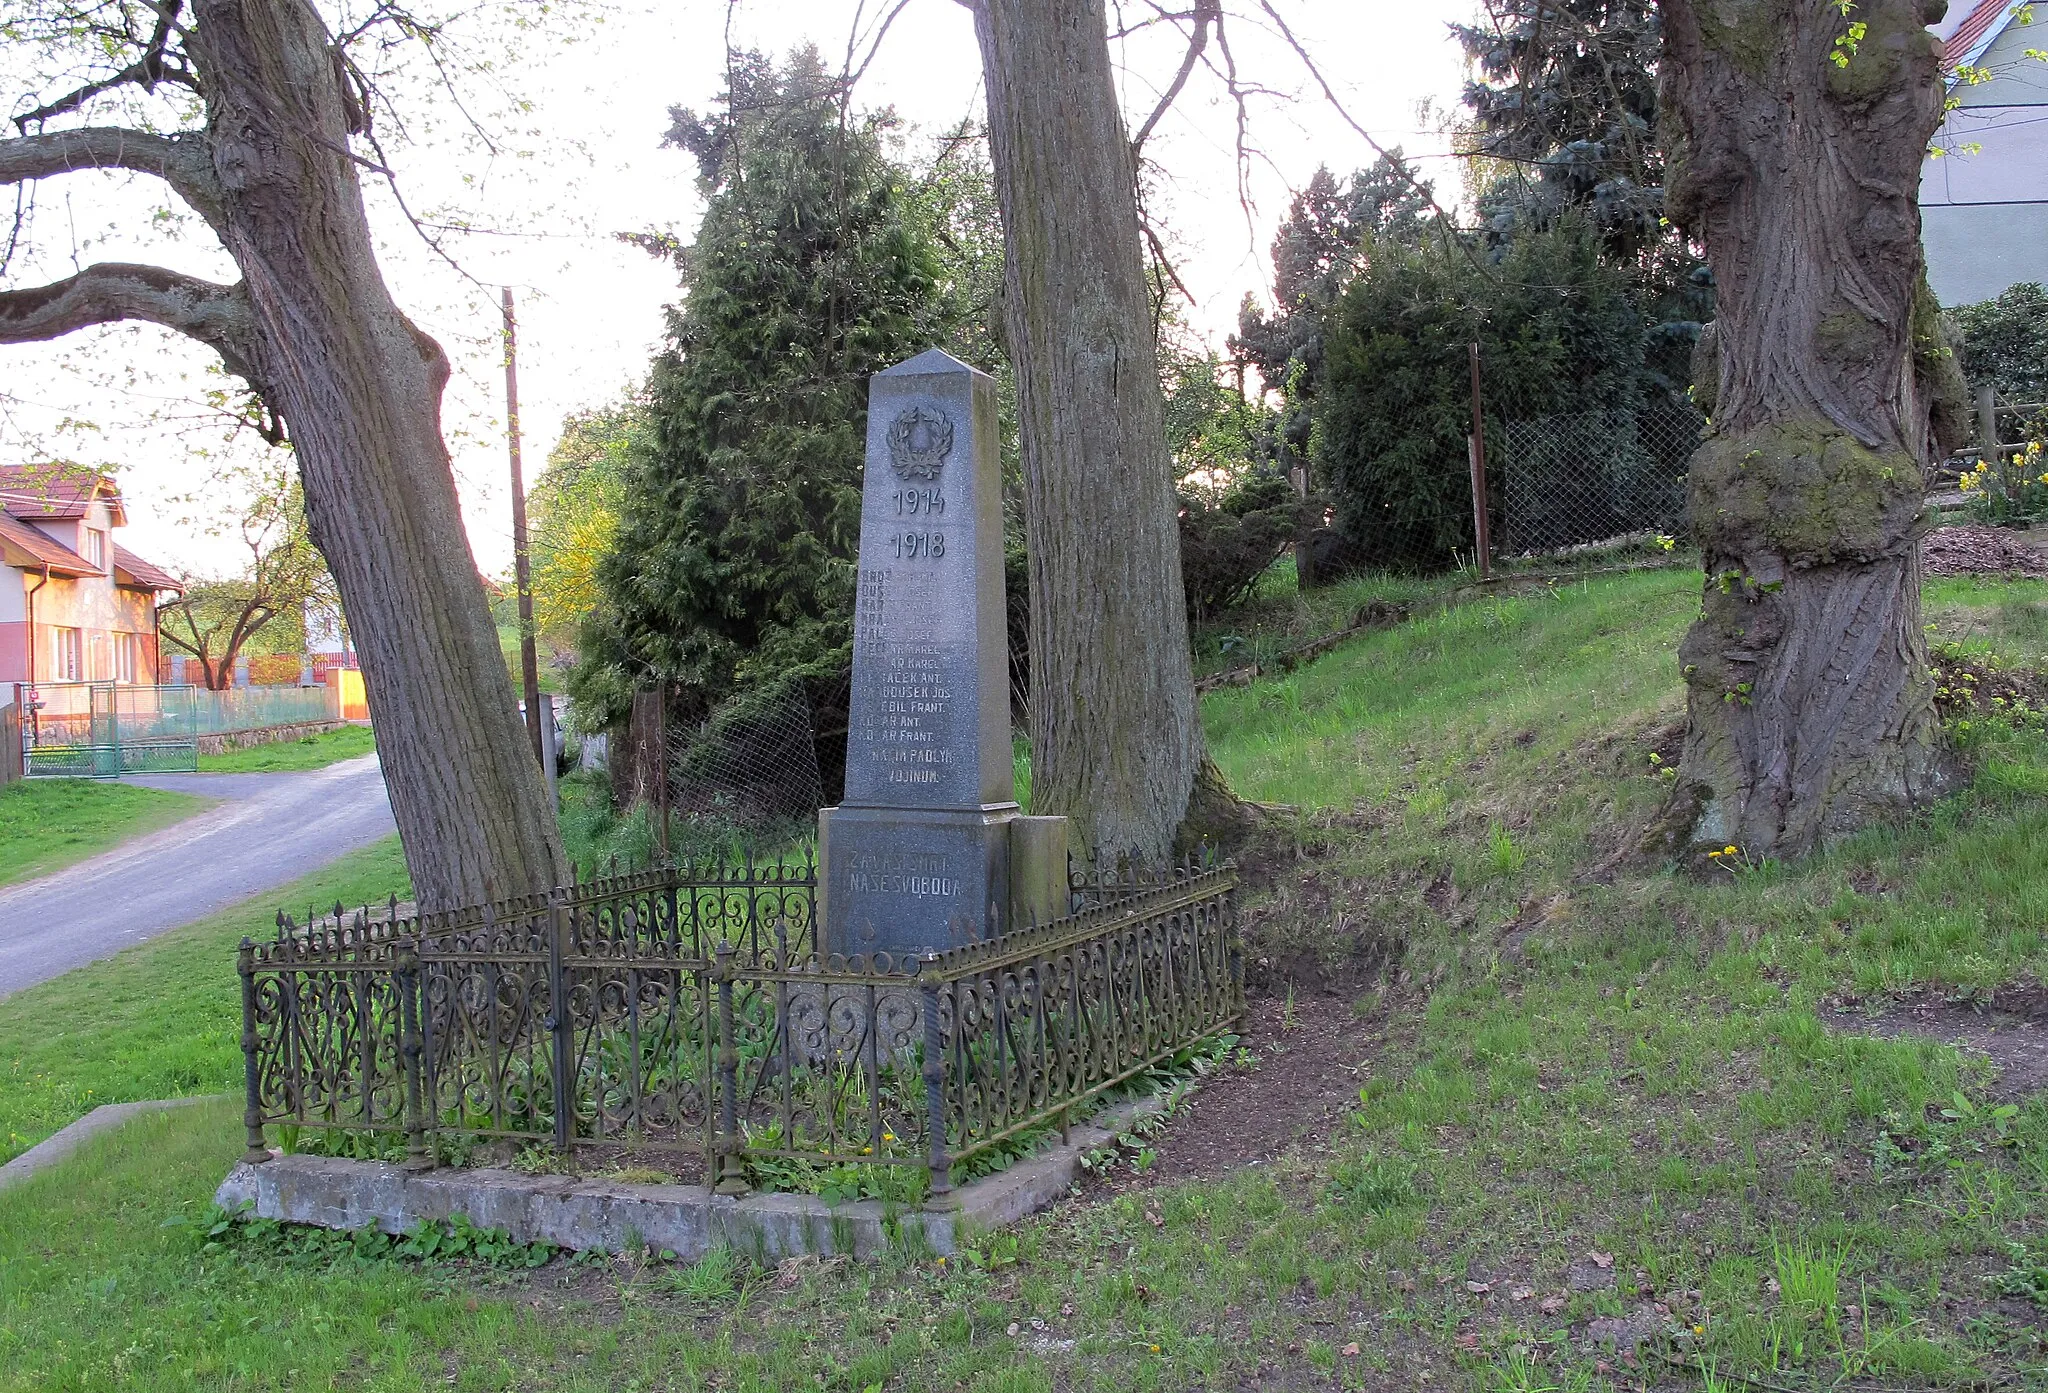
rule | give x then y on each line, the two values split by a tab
1728	851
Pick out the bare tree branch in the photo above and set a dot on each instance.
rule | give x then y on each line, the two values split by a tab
850	74
181	160
1446	228
218	316
1207	12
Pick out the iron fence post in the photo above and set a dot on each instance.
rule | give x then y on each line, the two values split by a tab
252	1089
558	1024
935	1088
732	1179
407	961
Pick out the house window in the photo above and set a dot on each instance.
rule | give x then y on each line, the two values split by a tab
124	656
67	655
96	547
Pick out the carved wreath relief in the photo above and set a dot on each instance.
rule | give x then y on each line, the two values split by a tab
919	441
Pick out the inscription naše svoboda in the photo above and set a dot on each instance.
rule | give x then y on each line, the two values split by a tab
910	873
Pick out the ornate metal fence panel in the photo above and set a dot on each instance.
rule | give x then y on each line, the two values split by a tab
684	1011
1040	1022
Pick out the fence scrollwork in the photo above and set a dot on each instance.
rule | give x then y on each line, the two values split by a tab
684	1013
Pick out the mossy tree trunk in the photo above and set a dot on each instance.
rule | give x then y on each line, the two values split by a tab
1116	741
1796	134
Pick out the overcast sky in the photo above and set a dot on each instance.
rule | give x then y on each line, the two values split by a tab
581	160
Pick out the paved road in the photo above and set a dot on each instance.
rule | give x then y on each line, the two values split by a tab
266	830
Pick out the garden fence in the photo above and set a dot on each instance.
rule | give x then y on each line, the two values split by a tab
105	729
1579	485
1559	494
687	1013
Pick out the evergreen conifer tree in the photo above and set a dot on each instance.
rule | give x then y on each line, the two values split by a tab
731	576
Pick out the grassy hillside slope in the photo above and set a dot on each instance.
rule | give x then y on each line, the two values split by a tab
1594	1117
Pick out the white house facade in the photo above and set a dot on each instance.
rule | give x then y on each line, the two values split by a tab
1984	195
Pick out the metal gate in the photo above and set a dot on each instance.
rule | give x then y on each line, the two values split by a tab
102	730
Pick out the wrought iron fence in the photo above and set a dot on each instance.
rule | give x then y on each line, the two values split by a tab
685	1011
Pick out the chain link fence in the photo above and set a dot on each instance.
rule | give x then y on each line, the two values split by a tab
1550	493
1586	484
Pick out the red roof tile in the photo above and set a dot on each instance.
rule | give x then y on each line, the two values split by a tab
132	571
1972	30
21	544
55	491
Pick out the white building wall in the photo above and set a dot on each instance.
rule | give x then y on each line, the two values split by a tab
1984	205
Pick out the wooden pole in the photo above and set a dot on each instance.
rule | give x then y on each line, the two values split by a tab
1482	540
529	660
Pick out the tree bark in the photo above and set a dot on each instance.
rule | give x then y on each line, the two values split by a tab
1116	741
359	388
1796	145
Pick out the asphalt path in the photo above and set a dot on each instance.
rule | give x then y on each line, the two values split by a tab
264	831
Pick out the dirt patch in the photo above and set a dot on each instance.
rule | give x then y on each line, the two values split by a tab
1308	1072
1309	927
1979	551
2011	1029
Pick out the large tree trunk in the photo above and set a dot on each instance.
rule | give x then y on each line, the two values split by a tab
1796	149
359	388
1116	742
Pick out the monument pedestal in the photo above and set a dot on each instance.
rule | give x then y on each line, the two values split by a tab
890	875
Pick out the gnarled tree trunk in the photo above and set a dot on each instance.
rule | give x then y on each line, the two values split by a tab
1796	144
360	389
1116	741
313	328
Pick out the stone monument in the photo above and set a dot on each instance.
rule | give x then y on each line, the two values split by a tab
928	849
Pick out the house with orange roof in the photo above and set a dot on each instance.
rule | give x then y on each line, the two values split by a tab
1984	184
75	605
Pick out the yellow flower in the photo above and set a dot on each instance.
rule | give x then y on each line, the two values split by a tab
888	1136
1713	855
1699	1330
867	1151
1728	851
1153	1348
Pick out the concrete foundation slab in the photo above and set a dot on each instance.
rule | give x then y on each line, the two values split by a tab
595	1212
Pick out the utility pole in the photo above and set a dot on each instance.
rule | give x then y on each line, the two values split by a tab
529	661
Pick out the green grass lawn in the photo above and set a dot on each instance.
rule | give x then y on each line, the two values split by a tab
48	824
1573	1058
508	644
309	752
162	1019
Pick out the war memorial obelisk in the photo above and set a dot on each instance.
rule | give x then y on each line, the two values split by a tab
928	849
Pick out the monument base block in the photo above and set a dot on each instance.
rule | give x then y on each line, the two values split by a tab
908	882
